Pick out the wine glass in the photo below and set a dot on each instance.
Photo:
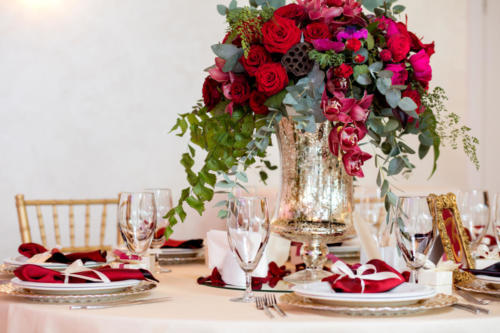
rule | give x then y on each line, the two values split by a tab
163	200
248	232
415	231
496	219
475	213
137	220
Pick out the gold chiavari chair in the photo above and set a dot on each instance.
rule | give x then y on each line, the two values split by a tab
24	226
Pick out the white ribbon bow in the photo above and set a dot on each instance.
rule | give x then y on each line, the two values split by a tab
78	267
342	270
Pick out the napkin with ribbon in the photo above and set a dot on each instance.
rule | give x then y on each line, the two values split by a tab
77	273
493	270
183	244
39	254
373	277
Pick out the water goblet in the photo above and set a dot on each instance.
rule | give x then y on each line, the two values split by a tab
415	231
163	200
475	212
137	220
248	233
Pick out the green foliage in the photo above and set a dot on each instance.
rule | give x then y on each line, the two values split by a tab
327	59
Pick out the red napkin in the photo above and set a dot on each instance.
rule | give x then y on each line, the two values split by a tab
183	244
35	273
30	249
354	285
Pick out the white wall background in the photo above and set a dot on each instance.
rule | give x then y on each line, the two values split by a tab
90	88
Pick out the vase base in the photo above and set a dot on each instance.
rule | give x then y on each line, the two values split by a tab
307	276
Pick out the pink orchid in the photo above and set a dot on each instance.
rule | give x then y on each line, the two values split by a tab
217	73
354	160
400	73
422	68
318	9
361	109
326	45
347	110
345	137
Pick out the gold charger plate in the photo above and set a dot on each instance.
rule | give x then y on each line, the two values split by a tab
478	286
437	302
11	290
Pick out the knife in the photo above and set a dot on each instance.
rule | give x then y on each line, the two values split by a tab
471	308
118	304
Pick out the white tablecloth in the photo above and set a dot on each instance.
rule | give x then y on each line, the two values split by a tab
195	308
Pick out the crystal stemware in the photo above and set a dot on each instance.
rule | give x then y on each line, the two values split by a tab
248	233
163	200
137	220
475	212
415	231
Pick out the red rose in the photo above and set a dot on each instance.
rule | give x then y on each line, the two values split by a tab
344	71
240	90
317	30
359	58
385	55
399	45
211	93
280	34
271	78
257	100
292	12
417	45
257	56
353	44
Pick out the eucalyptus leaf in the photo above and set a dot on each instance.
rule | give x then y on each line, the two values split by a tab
407	104
423	150
372	4
386	74
376	67
383	84
364	79
393	97
398	9
396	165
226	51
370	42
384	188
222	9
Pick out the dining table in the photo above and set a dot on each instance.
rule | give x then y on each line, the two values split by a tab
191	307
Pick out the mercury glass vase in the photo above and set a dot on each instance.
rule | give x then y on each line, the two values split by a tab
315	202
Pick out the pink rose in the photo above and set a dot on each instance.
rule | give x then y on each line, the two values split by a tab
400	73
422	68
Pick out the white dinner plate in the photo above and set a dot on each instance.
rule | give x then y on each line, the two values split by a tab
489	279
404	294
22	260
74	288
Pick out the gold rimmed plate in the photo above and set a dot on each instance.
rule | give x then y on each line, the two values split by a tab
479	286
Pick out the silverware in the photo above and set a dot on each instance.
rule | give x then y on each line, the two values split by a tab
260	302
271	302
472	298
119	303
471	308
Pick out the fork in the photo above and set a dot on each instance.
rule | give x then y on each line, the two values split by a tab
271	302
260	302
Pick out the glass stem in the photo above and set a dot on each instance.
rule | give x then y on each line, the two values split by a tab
157	263
248	291
413	275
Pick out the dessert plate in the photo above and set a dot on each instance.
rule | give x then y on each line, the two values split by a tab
74	288
22	260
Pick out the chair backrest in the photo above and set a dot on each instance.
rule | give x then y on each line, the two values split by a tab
24	226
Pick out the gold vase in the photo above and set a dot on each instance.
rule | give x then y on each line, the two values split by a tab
315	202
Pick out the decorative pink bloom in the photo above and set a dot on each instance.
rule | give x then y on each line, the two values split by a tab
400	73
319	10
216	72
361	109
345	137
347	110
422	68
326	44
352	32
354	160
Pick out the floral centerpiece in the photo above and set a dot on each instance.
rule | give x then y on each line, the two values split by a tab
316	61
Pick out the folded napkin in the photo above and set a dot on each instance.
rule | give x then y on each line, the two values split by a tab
373	277
183	244
35	273
30	250
493	270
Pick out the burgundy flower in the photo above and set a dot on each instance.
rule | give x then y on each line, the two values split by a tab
257	56
399	45
385	55
417	45
280	34
257	100
346	137
354	160
292	12
353	44
271	78
316	30
214	279
211	93
326	45
359	58
236	41
335	3
422	68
